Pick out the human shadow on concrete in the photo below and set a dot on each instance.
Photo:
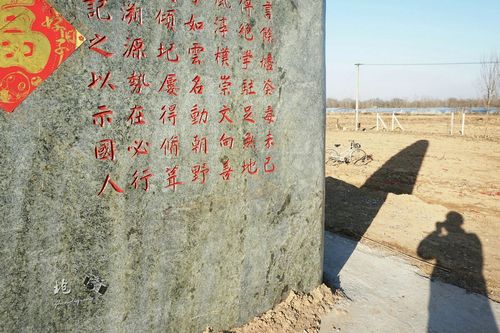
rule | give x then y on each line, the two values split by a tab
450	246
350	210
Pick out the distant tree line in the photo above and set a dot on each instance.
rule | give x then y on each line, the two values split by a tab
488	83
349	103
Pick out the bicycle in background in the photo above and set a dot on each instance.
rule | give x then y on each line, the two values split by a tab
354	155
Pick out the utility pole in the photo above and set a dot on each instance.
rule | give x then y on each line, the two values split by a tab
356	125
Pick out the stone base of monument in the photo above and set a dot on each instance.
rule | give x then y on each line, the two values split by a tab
299	312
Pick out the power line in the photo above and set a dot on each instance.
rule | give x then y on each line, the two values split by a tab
432	64
358	65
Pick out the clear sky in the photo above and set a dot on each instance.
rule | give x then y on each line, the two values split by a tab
402	31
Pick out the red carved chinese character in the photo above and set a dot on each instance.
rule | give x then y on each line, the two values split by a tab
269	115
98	39
170	85
110	182
246	6
94	9
145	178
269	140
163	51
226	170
136	116
222	56
225	84
137	81
268	166
167	19
193	25
223	112
222	3
139	148
250	167
198	170
245	31
96	78
199	144
195	51
246	58
172	178
105	150
197	87
248	114
247	87
198	117
221	26
248	141
132	13
267	62
267	35
135	49
269	88
171	146
171	116
196	2
268	10
102	117
226	141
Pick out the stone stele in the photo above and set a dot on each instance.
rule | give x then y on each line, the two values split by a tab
166	250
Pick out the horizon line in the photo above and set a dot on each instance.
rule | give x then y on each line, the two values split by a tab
430	63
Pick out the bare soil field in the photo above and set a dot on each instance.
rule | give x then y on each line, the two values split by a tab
299	313
431	196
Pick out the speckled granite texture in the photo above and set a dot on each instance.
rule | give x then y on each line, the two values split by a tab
214	254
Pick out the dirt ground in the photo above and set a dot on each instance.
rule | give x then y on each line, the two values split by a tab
299	313
432	196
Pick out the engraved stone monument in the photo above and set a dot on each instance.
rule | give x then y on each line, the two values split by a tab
162	162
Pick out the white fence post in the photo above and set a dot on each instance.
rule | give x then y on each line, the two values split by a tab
380	121
452	122
394	121
463	122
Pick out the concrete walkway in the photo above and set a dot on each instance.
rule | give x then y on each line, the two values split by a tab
385	293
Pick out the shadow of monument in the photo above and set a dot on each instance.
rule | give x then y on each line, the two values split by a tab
350	210
450	246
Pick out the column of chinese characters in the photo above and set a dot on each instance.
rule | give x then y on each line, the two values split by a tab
102	115
267	63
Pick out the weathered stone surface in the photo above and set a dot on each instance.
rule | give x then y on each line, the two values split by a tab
214	254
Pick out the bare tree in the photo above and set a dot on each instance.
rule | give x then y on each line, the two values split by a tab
489	80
